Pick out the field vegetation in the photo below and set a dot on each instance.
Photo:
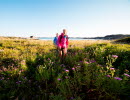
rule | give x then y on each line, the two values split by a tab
92	70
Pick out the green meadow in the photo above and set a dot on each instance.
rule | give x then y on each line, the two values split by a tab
93	70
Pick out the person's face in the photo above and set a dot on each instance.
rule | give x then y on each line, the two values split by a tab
64	31
57	34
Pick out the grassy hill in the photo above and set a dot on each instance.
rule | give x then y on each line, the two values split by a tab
124	40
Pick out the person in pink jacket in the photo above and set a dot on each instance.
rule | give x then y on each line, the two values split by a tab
63	44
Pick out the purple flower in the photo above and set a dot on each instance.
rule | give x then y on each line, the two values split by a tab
62	65
108	75
49	59
73	68
66	70
78	66
87	62
127	75
117	78
58	79
114	56
92	61
18	82
112	68
29	81
2	78
66	77
72	98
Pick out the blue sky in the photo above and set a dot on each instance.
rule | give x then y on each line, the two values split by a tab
80	17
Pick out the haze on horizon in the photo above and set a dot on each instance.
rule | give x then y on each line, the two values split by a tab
82	18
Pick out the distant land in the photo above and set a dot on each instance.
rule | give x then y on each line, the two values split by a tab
107	37
111	37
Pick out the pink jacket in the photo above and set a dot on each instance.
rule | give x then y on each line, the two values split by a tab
63	41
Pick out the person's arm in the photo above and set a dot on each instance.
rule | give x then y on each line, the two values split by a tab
67	42
58	42
54	41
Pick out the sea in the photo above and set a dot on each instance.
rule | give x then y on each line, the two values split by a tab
51	38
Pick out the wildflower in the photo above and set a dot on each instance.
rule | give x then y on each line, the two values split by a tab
18	82
66	77
72	98
58	79
22	70
78	66
92	61
4	69
108	75
3	78
73	68
66	70
87	62
112	68
114	56
127	75
62	65
29	81
100	65
117	78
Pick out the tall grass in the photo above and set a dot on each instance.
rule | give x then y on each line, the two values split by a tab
31	69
